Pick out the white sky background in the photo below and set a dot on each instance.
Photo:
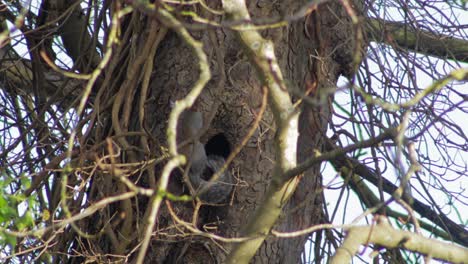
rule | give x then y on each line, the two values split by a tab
352	209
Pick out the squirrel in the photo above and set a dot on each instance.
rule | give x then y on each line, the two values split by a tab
202	166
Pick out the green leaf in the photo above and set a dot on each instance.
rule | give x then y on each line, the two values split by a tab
7	239
24	222
25	182
7	213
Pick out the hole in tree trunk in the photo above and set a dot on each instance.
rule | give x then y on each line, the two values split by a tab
218	145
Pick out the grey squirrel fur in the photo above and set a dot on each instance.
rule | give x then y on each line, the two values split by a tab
203	166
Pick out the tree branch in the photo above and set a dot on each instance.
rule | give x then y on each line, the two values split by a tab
18	77
458	233
337	156
421	41
384	235
76	39
336	152
262	55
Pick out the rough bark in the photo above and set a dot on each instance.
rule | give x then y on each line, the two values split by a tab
241	95
310	61
152	69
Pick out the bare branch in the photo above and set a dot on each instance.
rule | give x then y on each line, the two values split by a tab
384	235
459	234
261	53
421	41
80	45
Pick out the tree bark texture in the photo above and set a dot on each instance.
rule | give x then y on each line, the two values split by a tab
310	58
313	52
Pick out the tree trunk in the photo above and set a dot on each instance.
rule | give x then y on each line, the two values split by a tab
311	61
90	153
241	95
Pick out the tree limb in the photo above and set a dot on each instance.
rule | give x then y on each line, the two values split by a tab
384	235
336	152
17	76
337	156
76	39
262	55
458	233
372	202
420	41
